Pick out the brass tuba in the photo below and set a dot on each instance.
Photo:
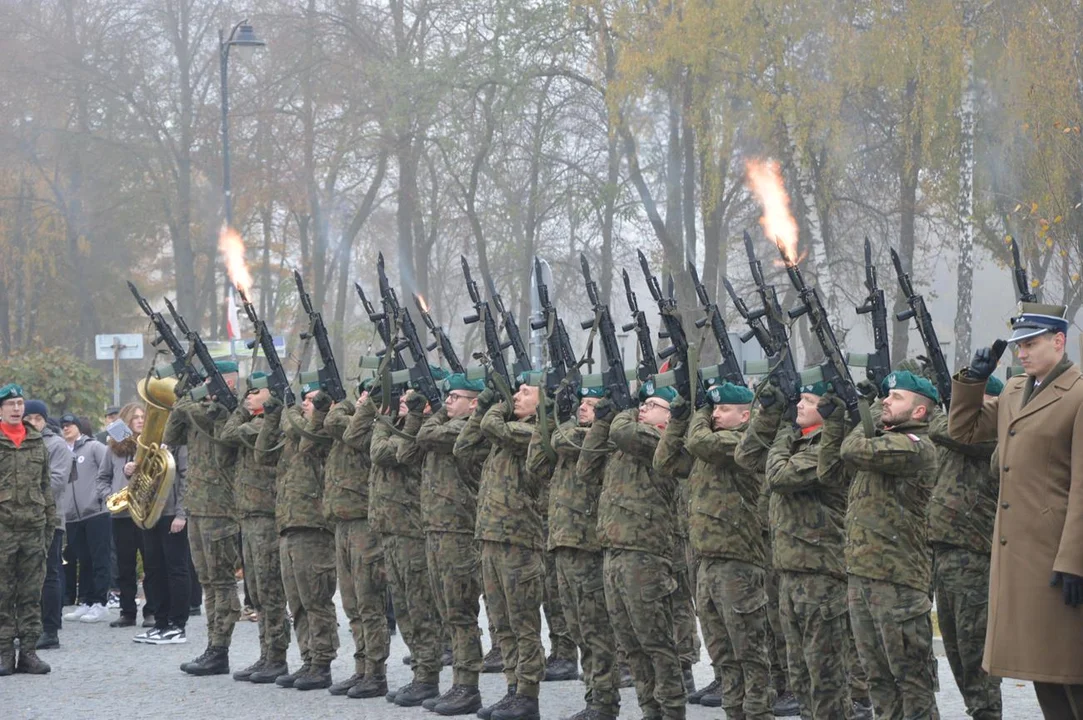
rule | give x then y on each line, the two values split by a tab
155	468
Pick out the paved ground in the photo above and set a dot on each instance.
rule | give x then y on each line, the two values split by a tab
100	673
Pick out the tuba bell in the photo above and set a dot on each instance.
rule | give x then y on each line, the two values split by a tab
150	484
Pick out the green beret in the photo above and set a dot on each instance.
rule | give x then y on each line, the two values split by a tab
438	373
820	388
9	391
256	381
226	366
592	392
458	381
648	390
994	385
906	380
308	387
729	394
365	385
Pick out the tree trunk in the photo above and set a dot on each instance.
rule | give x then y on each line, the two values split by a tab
909	164
965	269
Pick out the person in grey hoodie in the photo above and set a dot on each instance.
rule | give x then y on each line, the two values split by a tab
118	465
52	593
89	528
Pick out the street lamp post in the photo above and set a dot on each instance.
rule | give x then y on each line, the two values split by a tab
241	36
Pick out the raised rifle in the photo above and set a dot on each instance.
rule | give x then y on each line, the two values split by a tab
494	350
924	321
648	364
1022	286
511	327
277	382
441	340
327	374
181	368
216	384
614	378
674	332
833	369
562	376
383	329
420	372
877	363
728	368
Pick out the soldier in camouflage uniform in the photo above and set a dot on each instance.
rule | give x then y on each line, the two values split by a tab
684	608
449	491
637	517
807	486
726	533
395	512
512	561
359	552
27	519
306	544
961	515
254	492
577	555
887	553
562	661
213	530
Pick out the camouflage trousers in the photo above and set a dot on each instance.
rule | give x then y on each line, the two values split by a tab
582	593
684	609
639	589
216	556
894	634
961	582
22	574
453	573
814	616
362	584
514	577
415	608
776	636
263	574
734	592
561	643
308	575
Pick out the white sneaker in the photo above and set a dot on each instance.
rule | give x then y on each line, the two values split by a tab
96	613
147	636
170	636
78	612
114	602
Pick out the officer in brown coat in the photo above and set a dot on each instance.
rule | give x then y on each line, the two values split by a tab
1035	629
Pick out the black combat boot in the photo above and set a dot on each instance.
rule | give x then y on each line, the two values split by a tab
271	671
493	662
371	686
343	686
694	698
462	700
786	705
318	677
416	693
216	663
521	707
30	663
486	712
48	641
184	666
558	669
123	621
592	714
7	661
712	698
287	680
432	702
246	674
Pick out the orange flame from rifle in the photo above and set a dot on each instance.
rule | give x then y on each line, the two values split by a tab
421	300
232	248
764	179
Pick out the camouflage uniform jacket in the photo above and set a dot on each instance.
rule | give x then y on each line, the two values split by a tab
346	473
964	502
508	495
26	495
886	521
254	482
210	462
449	485
394	484
724	519
299	486
637	508
808	485
573	502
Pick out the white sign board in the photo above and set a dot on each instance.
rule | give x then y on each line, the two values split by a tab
131	346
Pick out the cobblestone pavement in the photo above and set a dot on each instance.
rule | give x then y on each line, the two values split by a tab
98	672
